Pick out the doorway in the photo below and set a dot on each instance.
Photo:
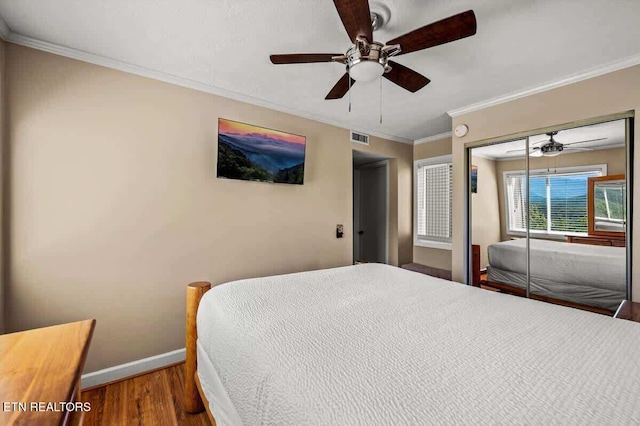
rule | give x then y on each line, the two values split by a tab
370	207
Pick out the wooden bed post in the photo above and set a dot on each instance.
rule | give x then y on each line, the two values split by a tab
475	265
192	400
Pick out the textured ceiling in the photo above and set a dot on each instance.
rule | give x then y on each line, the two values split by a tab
226	44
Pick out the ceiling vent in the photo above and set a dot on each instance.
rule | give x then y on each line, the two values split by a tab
359	138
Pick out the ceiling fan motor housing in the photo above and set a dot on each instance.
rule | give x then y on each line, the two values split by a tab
551	148
377	21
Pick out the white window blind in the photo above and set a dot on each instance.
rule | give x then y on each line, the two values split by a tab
516	202
434	197
558	200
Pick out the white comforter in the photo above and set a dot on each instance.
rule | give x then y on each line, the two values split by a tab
375	344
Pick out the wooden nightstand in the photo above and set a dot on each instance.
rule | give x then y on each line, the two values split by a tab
43	366
628	310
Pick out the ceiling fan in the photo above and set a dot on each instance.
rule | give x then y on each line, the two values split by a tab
367	59
551	147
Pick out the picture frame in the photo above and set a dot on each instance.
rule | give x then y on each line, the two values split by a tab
249	152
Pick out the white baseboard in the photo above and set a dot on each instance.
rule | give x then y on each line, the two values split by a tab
121	371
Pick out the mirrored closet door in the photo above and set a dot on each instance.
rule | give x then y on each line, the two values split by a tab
548	216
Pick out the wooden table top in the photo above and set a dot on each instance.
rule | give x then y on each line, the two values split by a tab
41	366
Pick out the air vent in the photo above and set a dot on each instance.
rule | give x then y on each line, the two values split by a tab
359	138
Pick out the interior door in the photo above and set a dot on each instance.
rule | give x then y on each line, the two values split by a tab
372	232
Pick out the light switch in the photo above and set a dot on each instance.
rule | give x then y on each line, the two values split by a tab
339	231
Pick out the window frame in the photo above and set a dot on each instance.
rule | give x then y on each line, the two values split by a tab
429	162
556	235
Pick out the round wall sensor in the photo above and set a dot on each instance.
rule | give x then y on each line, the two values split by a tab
461	130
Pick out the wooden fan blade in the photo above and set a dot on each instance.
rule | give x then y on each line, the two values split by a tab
534	149
590	140
356	18
302	58
441	32
406	77
543	142
341	88
595	148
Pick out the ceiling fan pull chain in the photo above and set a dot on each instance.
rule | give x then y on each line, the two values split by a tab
349	93
380	99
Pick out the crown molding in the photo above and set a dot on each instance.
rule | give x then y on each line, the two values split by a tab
433	138
574	78
486	157
183	82
7	35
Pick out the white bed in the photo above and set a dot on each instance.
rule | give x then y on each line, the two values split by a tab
586	274
375	344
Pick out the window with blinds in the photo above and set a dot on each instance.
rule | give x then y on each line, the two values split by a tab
558	200
433	201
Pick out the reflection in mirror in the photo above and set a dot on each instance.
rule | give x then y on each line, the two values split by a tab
562	220
502	256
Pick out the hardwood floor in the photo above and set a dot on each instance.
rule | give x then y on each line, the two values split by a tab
151	399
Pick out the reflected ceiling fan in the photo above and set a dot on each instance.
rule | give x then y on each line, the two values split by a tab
367	59
551	147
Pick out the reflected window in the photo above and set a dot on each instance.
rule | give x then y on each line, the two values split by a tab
558	200
609	205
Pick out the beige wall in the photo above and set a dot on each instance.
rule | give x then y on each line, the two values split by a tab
612	93
485	213
432	149
435	258
614	159
115	205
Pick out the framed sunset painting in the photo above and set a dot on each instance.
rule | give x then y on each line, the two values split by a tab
248	152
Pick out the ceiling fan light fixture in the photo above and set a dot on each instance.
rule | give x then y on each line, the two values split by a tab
364	71
551	153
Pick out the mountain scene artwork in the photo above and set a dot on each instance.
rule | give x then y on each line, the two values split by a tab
248	152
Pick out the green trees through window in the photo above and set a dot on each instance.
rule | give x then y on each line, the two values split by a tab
558	201
609	202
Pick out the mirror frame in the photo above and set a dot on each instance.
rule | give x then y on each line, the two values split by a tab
591	208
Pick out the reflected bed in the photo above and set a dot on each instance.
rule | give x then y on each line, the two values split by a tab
585	274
